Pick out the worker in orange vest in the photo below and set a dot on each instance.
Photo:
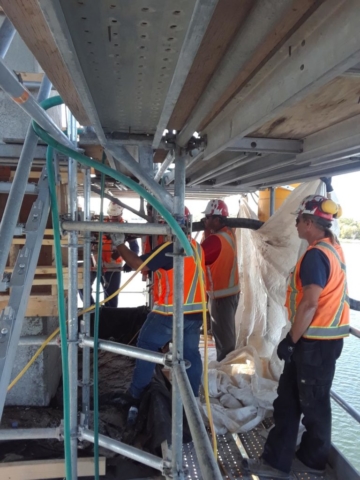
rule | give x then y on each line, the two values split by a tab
223	286
318	309
111	260
157	329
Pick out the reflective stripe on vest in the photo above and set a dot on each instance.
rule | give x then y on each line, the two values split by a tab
191	305
233	286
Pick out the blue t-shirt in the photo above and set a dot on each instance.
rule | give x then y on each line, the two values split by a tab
161	260
315	268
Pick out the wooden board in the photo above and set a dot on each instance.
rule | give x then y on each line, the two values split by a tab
43	469
333	103
38	305
29	21
30	77
225	23
298	13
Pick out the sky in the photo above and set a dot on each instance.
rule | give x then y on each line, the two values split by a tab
347	189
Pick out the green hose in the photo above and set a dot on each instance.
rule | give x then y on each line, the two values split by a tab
83	159
61	306
96	337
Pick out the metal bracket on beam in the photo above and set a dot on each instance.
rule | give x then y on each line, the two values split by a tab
6	321
266	145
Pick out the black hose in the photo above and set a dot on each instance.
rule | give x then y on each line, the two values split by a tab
232	223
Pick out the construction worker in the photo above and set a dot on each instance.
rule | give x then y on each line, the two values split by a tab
111	260
157	329
318	309
223	287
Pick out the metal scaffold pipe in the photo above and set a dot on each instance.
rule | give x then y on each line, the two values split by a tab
123	449
7	32
29	434
16	195
178	323
204	453
129	351
73	333
107	227
85	323
20	95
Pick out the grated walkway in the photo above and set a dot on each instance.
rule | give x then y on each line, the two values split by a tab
233	448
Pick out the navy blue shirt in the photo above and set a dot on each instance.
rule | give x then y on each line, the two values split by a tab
160	260
315	268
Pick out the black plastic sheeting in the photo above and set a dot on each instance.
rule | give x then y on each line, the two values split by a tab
121	324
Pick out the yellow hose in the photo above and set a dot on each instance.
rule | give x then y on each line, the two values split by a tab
92	307
206	353
86	310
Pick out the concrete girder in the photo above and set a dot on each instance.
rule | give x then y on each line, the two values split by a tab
259	23
325	46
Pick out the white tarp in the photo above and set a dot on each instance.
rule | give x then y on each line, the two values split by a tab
243	386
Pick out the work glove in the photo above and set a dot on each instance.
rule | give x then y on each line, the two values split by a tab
286	348
327	181
117	239
127	268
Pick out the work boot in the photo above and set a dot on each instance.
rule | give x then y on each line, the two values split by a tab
259	467
301	467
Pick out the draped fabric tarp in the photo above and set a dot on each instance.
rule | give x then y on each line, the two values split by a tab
243	385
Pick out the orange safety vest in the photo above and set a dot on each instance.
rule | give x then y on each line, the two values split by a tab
164	286
332	317
223	274
107	251
146	245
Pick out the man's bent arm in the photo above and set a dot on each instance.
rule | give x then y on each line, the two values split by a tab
130	257
305	311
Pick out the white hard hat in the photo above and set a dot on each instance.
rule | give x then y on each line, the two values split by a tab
114	210
217	207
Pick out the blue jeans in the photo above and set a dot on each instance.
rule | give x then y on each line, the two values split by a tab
154	334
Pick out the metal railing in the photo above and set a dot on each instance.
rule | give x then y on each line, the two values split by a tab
339	399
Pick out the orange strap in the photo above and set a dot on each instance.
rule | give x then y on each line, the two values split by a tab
24	97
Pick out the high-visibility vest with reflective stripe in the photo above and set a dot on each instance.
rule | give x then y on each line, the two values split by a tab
164	286
107	251
146	245
332	317
223	274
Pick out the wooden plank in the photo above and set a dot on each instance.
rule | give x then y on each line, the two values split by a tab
43	469
38	305
29	21
30	77
225	23
299	12
45	241
331	104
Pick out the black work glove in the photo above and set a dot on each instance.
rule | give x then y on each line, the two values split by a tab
327	181
127	268
286	348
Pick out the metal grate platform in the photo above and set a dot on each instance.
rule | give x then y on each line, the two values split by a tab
233	448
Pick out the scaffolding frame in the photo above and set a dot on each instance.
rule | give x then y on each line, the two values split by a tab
182	394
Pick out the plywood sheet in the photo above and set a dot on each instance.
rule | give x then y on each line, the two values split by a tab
29	21
333	103
294	18
35	469
225	23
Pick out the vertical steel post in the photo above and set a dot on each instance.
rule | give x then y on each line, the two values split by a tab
272	201
85	324
178	323
16	195
72	302
7	32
